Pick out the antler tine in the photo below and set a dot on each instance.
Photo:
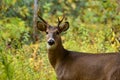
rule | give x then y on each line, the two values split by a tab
63	18
59	21
42	19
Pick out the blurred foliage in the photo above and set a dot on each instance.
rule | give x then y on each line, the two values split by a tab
94	27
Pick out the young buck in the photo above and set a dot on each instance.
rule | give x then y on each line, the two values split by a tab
71	65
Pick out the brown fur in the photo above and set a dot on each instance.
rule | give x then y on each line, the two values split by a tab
70	65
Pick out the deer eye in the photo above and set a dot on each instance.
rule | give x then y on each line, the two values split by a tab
46	32
57	32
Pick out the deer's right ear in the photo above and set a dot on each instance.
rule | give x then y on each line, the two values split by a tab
41	26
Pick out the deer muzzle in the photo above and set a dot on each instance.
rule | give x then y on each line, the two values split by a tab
51	42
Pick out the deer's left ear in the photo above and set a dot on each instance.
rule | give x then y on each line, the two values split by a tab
63	27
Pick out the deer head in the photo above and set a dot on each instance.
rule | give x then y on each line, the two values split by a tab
52	32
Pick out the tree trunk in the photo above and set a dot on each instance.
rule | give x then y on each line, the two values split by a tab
35	36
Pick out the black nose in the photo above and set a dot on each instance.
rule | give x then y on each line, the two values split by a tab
51	42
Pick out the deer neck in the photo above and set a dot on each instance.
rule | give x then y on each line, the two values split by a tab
56	55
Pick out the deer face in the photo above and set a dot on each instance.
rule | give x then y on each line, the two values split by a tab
52	33
53	37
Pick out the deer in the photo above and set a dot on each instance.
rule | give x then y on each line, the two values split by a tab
73	65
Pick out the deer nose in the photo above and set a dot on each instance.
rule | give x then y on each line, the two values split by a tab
51	42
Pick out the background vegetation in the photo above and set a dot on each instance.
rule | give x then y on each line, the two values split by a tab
94	27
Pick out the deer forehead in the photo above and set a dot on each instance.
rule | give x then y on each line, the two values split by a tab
52	29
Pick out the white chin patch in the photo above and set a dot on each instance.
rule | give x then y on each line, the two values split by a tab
51	46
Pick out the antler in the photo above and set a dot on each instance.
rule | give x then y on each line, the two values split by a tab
42	19
59	21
